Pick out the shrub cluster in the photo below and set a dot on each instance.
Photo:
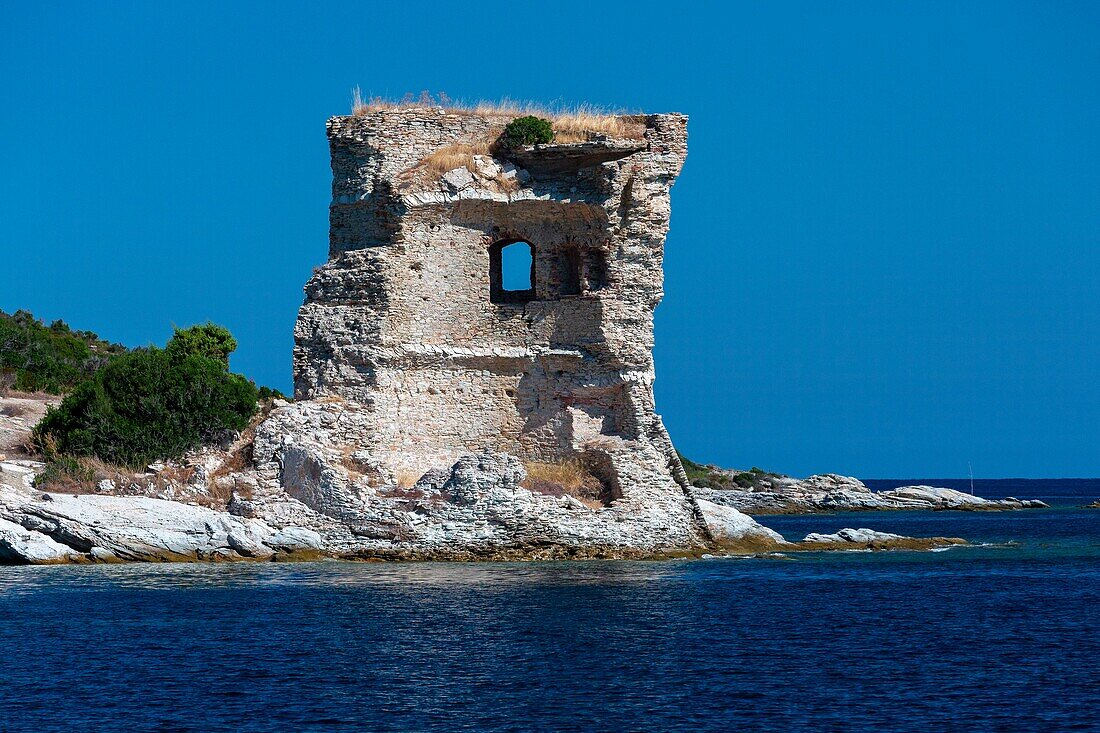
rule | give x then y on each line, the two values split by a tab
39	358
709	477
209	340
528	130
150	404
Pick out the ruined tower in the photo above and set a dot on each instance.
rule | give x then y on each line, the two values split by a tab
412	322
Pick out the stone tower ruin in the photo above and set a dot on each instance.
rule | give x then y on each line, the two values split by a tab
410	321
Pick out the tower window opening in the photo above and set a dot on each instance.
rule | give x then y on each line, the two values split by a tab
511	271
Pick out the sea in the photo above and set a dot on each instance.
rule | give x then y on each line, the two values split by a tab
1000	636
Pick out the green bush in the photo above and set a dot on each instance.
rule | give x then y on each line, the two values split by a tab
37	358
266	394
745	479
692	469
151	404
529	130
707	477
209	340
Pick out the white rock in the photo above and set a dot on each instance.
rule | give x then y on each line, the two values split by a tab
248	541
833	492
21	545
293	539
726	524
18	472
132	528
862	536
487	168
458	179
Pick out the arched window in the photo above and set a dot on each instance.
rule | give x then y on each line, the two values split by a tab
511	271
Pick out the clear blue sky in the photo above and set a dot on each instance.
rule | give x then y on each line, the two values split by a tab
885	243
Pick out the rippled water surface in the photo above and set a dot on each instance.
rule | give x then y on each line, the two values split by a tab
989	638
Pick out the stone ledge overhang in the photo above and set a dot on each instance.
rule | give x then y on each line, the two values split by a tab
572	157
435	198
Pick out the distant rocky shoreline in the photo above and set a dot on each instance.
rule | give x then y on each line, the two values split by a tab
827	493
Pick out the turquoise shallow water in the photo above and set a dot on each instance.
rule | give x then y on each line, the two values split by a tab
1000	637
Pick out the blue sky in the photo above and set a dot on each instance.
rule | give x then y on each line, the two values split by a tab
884	244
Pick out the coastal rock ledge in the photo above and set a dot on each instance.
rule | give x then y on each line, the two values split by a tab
305	505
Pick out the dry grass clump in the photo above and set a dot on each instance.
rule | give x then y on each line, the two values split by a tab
565	478
221	483
580	124
571	124
349	462
454	156
406	479
78	475
459	155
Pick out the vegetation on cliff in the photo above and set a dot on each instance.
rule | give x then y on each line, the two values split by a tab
39	358
528	130
564	478
570	123
151	403
712	477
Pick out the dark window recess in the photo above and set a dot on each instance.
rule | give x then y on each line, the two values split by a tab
570	271
595	269
511	271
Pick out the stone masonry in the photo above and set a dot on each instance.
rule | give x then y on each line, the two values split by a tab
410	323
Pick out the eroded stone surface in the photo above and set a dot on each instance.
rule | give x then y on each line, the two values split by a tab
18	544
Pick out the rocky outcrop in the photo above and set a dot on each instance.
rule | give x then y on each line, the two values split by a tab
40	527
772	494
21	545
869	539
475	507
309	494
477	510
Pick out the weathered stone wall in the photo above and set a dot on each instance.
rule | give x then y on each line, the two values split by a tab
401	320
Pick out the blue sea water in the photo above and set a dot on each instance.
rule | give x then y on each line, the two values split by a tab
1004	637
